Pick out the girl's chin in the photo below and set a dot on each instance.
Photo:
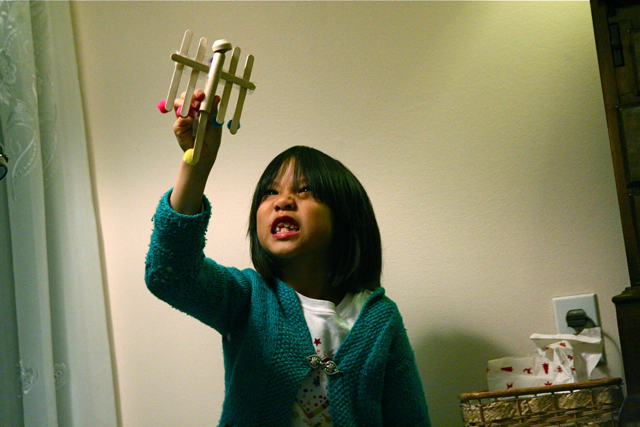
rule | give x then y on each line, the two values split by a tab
283	256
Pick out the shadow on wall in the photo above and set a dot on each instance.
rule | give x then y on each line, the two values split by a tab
451	363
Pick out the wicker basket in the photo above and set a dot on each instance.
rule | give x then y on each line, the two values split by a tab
587	404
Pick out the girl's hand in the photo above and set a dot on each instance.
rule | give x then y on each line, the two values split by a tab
185	133
186	196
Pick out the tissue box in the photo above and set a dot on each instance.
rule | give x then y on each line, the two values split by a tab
593	403
559	359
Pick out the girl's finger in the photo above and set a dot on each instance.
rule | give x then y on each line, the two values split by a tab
177	105
198	94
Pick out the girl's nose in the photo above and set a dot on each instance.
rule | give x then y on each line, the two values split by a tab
285	202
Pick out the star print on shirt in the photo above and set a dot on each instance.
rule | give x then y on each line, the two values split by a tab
317	341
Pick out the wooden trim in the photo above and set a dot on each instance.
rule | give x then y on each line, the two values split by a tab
628	302
609	92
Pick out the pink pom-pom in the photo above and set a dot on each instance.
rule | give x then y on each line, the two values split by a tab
162	107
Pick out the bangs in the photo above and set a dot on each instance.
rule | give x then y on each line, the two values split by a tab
308	168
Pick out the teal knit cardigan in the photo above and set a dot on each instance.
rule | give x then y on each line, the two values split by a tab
266	341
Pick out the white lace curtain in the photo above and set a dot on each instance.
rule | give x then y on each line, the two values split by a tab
55	358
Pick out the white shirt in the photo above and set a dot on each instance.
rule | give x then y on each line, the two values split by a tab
328	325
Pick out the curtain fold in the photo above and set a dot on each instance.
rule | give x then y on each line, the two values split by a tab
64	369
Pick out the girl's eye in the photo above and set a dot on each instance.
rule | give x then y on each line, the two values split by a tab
270	193
304	190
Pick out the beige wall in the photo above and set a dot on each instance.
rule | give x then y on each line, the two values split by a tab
477	128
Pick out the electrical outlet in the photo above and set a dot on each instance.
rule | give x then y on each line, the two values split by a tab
562	305
587	302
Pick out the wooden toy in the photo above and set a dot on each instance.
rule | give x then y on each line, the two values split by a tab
214	75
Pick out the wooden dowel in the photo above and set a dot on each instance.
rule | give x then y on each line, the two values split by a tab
203	120
219	47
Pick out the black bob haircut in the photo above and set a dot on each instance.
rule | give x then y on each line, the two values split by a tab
356	249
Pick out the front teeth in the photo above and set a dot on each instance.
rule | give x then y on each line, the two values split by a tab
285	228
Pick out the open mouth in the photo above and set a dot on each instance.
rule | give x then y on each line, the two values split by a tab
284	225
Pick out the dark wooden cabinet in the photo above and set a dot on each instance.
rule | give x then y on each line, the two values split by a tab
616	26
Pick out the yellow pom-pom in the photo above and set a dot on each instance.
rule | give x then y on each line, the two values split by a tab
188	156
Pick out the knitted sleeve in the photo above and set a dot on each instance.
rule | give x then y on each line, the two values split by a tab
178	273
404	404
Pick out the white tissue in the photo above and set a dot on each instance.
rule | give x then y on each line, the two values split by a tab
587	350
559	359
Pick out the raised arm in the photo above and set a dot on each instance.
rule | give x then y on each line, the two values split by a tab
177	270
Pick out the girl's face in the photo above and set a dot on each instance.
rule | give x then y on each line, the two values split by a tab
291	224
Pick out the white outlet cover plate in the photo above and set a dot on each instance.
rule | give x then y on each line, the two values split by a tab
562	305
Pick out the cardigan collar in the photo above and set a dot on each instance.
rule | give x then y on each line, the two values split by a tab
290	304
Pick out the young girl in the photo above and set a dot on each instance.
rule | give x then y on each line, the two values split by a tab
309	338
